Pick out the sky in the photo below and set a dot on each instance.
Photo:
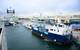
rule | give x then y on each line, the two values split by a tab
39	6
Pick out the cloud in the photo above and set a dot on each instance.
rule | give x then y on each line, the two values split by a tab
30	6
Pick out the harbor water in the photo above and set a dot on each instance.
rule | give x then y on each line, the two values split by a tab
19	37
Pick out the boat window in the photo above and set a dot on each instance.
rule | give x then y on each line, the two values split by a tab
55	24
51	29
60	25
54	30
62	21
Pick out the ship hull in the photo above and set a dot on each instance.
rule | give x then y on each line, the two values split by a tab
52	37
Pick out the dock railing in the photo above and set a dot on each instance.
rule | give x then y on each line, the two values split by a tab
3	41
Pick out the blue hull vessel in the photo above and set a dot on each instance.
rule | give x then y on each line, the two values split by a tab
51	36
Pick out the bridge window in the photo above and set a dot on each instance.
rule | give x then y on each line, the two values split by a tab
51	29
60	25
54	30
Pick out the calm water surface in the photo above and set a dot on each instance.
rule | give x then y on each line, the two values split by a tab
21	38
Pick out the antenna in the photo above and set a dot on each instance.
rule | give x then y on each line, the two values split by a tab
40	15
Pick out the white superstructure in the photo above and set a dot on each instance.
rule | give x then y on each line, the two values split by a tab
59	29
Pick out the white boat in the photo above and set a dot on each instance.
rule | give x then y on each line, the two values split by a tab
28	25
11	21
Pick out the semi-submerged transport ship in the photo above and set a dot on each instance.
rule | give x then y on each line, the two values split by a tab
58	32
9	19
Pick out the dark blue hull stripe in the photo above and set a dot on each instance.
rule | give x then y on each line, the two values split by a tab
52	36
